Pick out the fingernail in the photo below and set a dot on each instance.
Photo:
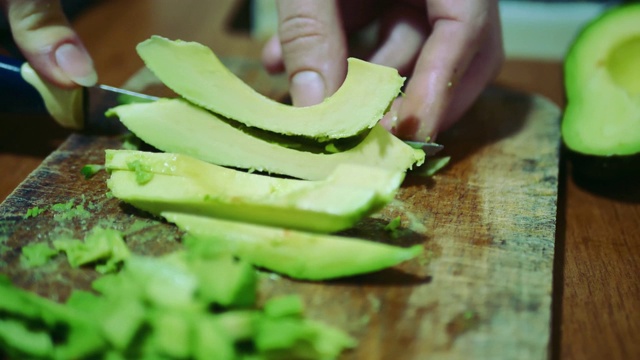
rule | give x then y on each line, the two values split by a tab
76	64
307	88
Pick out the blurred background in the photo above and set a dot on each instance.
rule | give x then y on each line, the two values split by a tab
533	29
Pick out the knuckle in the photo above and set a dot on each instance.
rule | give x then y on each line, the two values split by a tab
301	30
33	15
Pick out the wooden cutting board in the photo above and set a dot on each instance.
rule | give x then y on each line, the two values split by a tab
482	290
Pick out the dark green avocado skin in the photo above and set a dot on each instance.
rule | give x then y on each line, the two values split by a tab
604	168
614	177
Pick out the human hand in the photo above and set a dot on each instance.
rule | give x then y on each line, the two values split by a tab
46	39
450	48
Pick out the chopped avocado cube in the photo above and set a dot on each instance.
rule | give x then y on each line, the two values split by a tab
300	338
172	333
99	245
16	336
37	254
225	281
288	305
211	341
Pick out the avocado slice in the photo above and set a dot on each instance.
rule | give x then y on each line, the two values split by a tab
194	72
601	123
181	183
177	126
297	254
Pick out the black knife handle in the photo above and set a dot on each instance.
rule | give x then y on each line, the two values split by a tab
16	94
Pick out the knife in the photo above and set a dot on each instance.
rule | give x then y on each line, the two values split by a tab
24	91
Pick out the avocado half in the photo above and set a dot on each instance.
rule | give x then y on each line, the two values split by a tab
601	123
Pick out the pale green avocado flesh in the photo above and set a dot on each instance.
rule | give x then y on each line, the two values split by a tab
182	184
176	126
296	254
602	77
194	72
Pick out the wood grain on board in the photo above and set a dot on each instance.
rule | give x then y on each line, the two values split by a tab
482	289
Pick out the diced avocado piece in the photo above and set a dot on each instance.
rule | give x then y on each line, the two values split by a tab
99	245
17	337
176	126
239	325
297	254
184	184
225	280
300	339
166	282
286	305
172	331
602	78
70	331
119	317
194	72
36	254
122	321
211	341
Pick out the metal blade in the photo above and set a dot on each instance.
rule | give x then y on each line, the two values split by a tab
98	99
429	148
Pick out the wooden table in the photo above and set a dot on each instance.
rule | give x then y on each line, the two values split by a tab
596	310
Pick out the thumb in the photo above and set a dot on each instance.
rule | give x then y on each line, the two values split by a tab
313	48
48	42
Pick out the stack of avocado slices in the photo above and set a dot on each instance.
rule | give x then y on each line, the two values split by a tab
218	181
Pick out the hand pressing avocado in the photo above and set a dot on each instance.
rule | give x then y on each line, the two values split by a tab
601	124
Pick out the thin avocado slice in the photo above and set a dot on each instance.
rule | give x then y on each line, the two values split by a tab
177	126
602	78
297	254
194	72
173	182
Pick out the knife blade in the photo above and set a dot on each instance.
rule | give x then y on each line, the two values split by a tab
83	108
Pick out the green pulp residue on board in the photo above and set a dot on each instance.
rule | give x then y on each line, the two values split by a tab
395	228
143	172
61	211
33	212
69	210
89	170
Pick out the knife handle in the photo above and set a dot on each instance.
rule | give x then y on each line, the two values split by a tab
24	91
16	94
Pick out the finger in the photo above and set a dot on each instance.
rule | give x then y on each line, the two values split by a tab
402	34
313	48
484	67
48	42
459	30
272	56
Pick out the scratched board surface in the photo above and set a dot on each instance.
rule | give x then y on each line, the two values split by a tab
481	290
